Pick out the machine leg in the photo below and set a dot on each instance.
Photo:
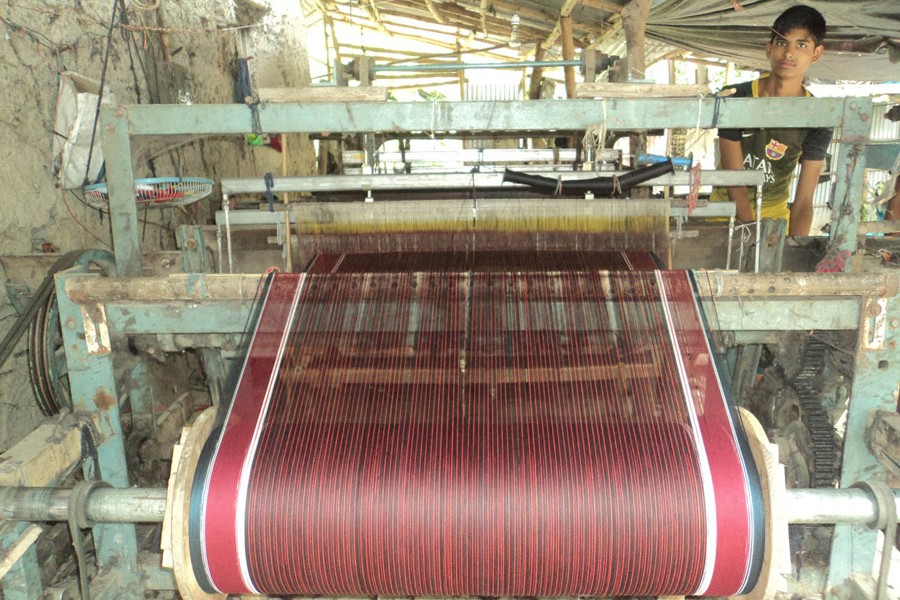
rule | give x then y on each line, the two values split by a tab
875	386
93	384
216	373
193	249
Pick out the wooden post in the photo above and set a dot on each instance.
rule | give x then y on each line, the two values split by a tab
461	74
322	168
568	48
702	75
537	73
634	20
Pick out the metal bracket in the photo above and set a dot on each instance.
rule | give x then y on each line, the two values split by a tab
874	323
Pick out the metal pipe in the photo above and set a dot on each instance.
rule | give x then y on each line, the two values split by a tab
730	242
758	226
429	181
225	207
102	505
148	505
461	66
823	506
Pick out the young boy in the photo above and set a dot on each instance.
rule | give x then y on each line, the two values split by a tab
795	44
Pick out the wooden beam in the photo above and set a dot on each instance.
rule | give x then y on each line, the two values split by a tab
603	5
482	9
534	87
334	40
639	90
541	16
566	9
376	376
399	30
372	10
423	84
460	16
613	27
18	548
435	12
438	56
634	19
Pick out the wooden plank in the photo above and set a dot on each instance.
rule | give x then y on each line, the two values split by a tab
375	376
18	548
638	90
45	455
323	94
865	227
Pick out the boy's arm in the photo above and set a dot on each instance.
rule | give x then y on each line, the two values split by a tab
802	207
733	158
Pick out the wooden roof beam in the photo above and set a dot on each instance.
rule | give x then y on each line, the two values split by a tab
482	9
361	22
435	12
372	9
564	11
497	27
603	5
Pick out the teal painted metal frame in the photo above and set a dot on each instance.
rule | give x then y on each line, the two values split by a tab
93	386
853	548
201	304
119	124
876	379
23	580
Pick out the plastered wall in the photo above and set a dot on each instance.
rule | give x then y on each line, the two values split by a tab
161	51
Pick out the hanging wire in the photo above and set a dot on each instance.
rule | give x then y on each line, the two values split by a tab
109	30
80	224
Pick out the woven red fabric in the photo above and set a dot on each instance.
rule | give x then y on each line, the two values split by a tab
479	434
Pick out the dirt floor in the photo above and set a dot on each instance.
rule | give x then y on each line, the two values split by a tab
157	52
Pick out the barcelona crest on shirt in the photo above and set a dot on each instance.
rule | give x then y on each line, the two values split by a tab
775	150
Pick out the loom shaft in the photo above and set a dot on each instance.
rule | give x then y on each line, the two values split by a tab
148	505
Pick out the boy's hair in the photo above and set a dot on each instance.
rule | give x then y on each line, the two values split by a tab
800	17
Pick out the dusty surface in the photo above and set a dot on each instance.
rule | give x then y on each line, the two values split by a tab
192	60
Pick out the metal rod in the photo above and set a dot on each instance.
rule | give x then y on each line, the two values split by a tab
225	206
730	242
335	183
148	505
823	506
461	66
758	226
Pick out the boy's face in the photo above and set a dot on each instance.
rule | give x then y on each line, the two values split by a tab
792	53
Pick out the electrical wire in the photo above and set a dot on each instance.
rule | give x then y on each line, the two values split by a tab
109	30
80	224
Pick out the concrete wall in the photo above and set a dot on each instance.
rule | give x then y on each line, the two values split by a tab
191	58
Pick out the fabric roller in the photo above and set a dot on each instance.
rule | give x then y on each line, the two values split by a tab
555	431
